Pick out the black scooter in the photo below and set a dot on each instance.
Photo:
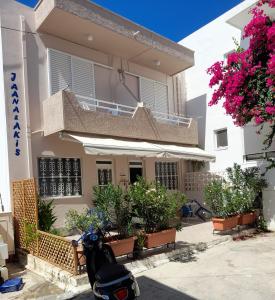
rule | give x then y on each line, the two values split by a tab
109	280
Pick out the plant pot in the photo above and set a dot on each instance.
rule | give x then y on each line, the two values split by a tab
247	218
160	238
121	247
222	224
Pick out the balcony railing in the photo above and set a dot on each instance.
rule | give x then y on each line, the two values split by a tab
115	109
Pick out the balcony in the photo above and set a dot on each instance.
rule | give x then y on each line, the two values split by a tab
66	111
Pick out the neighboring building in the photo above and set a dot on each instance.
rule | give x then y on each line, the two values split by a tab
88	98
217	133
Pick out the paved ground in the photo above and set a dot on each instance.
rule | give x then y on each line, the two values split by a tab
235	270
35	286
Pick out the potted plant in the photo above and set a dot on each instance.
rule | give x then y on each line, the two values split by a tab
81	222
115	204
217	196
248	184
139	243
156	206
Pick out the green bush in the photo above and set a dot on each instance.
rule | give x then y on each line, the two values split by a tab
46	216
154	204
237	194
81	222
112	200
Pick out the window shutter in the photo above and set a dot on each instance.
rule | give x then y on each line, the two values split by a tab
60	71
147	92
83	78
161	97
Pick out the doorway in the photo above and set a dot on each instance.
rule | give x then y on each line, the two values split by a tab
135	170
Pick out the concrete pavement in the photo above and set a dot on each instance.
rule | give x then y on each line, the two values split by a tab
234	270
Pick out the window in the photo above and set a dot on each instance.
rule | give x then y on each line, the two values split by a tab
59	177
104	172
67	71
221	138
154	94
167	174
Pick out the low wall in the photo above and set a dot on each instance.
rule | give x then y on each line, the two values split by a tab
7	231
269	207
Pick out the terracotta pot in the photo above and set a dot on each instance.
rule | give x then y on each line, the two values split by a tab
160	238
247	218
122	247
222	224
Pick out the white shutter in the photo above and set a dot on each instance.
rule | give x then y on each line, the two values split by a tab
83	78
147	92
161	97
60	71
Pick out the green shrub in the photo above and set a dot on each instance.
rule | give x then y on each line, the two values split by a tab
154	204
46	216
111	199
81	222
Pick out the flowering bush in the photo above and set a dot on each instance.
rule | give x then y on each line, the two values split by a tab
246	81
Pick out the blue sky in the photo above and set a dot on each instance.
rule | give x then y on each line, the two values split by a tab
174	19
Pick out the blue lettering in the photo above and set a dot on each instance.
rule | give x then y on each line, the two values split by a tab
16	135
17	143
15	101
14	94
16	126
16	109
17	152
16	117
14	87
13	76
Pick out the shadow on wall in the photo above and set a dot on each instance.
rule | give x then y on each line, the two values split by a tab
150	289
196	108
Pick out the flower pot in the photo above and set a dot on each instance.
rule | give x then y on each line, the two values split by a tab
247	218
160	238
222	224
121	247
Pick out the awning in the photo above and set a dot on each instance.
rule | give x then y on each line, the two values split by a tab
109	146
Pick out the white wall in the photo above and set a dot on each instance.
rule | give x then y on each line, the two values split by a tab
210	44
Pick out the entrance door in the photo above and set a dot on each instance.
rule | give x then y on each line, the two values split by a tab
136	170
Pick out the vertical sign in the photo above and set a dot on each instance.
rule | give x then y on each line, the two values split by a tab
15	110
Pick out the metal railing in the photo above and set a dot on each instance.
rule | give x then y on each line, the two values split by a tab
116	109
172	119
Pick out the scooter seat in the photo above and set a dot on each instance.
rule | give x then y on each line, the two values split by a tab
111	272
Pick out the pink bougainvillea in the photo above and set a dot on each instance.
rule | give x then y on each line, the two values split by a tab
246	80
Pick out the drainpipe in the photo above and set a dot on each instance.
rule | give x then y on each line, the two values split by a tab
26	97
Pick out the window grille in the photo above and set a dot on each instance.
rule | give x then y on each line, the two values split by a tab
59	177
167	174
104	172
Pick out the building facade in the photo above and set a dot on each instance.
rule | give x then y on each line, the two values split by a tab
89	98
217	133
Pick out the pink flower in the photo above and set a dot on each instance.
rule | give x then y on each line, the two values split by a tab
270	110
259	120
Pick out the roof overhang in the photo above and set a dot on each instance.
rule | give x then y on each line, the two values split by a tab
109	146
112	34
243	17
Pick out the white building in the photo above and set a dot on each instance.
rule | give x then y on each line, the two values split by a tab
89	98
217	133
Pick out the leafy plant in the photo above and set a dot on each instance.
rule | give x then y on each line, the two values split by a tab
154	204
31	234
46	216
82	221
237	194
111	199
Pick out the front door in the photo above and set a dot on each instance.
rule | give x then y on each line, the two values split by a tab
136	170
